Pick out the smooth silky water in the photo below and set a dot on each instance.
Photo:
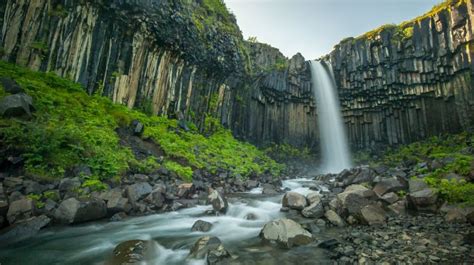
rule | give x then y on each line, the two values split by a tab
334	148
93	243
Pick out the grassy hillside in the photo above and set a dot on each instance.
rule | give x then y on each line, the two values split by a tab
71	128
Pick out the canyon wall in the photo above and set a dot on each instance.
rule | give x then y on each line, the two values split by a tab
186	58
403	83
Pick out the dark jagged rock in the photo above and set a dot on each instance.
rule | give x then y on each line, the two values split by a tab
78	211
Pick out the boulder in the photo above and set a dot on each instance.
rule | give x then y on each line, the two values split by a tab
138	191
334	218
455	215
390	197
398	208
218	202
133	252
269	189
388	185
185	190
201	226
423	200
69	185
77	211
313	197
314	210
16	105
294	200
20	210
11	86
156	198
373	215
210	247
251	184
415	185
23	229
285	232
118	204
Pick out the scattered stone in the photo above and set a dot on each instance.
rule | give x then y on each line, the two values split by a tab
156	198
68	185
373	215
20	210
218	202
294	200
388	185
16	105
417	185
329	244
74	211
285	232
455	216
313	197
390	197
423	200
137	192
201	226
334	218
269	189
118	217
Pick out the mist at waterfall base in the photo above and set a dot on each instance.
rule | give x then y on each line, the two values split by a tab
334	148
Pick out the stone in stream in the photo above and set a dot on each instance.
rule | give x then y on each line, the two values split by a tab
74	211
201	226
285	232
133	252
294	200
23	229
314	210
20	210
218	202
210	247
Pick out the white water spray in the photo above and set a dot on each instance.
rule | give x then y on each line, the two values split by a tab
334	148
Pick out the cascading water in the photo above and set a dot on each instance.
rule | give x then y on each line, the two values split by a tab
334	148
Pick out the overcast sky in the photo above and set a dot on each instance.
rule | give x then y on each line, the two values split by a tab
313	27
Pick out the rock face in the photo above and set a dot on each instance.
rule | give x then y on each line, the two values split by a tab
294	200
74	211
285	232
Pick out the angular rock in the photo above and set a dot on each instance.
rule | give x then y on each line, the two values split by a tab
373	215
398	208
156	198
313	197
74	211
388	185
16	105
269	189
184	190
138	191
285	232
334	218
69	184
201	226
20	210
23	229
314	210
390	197
218	202
211	247
417	185
118	217
455	215
294	200
423	200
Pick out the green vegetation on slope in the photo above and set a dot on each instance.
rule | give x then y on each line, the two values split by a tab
71	128
452	154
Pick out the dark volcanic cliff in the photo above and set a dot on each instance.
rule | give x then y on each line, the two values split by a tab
396	84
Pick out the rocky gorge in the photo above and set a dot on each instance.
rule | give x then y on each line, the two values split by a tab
123	125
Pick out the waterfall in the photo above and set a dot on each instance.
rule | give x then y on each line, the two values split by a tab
334	148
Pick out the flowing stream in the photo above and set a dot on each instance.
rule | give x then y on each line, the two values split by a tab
334	147
93	243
